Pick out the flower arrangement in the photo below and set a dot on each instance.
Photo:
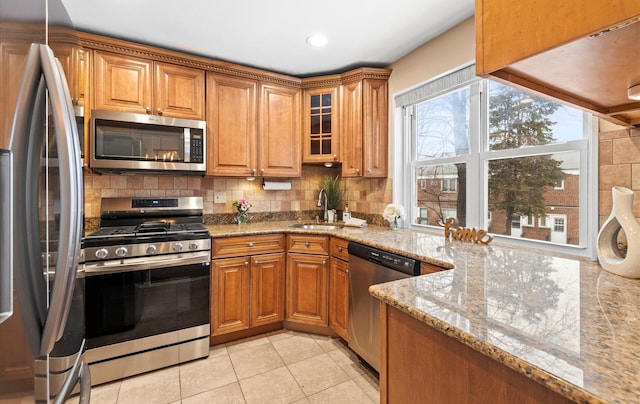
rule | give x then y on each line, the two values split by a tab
242	205
392	213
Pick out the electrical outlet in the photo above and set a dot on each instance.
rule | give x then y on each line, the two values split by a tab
220	197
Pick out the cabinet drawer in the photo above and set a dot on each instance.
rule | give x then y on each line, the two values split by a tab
306	244
237	246
340	248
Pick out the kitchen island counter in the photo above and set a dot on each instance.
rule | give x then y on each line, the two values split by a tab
559	320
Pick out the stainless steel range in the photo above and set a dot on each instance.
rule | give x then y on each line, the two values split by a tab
147	274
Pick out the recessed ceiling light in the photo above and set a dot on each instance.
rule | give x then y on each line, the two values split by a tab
634	92
317	40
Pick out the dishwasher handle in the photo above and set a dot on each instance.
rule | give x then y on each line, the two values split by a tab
386	259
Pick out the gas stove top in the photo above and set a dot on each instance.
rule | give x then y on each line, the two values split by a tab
146	227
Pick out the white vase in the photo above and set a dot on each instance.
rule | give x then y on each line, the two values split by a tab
621	217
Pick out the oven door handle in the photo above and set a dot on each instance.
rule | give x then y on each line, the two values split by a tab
141	264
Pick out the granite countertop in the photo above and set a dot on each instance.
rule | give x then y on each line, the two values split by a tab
560	320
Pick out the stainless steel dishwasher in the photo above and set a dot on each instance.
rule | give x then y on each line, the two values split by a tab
369	266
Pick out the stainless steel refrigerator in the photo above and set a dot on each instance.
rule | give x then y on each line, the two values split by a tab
41	204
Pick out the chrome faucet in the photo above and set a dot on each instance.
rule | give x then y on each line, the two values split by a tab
319	204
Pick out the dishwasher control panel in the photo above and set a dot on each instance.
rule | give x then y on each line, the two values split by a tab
393	261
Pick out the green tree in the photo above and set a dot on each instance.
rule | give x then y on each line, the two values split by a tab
517	185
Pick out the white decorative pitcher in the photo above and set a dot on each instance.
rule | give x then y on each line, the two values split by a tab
621	217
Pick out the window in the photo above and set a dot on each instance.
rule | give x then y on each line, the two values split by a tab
496	156
449	184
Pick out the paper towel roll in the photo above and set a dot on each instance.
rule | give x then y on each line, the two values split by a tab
276	186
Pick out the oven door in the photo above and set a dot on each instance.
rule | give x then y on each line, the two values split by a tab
165	294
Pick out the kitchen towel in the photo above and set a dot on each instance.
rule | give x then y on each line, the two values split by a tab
355	222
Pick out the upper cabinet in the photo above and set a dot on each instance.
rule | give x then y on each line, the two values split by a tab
364	123
130	84
253	128
586	54
279	127
232	117
75	63
320	137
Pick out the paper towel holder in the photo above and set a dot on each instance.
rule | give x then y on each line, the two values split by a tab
276	185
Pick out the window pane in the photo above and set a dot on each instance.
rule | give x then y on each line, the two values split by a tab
442	126
519	119
433	204
526	186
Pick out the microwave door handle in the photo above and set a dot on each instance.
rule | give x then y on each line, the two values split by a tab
70	173
26	141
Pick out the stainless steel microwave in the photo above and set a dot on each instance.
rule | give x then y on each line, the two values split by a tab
122	141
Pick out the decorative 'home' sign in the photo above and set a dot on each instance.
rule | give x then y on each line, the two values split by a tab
464	233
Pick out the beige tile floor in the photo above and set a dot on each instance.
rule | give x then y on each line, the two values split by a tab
279	367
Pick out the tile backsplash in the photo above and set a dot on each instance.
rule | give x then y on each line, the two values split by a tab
619	165
366	197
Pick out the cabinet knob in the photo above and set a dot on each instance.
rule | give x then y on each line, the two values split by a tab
147	110
262	171
253	171
357	171
369	170
335	157
257	262
340	249
250	244
324	262
246	263
159	111
306	244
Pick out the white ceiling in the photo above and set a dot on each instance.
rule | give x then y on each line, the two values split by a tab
271	35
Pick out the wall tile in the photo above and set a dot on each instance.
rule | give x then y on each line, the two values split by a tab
626	150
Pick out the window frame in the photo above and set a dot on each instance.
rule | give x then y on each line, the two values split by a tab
405	187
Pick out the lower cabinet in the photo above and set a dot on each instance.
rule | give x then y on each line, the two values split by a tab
307	279
339	287
248	290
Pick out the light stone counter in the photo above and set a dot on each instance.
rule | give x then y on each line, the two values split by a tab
560	320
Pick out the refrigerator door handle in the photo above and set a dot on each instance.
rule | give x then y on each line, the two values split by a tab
44	320
79	373
6	239
70	169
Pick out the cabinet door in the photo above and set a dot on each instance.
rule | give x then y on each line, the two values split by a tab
80	83
229	295
16	359
178	91
122	83
307	289
13	56
267	289
279	142
339	297
375	128
231	126
351	128
320	138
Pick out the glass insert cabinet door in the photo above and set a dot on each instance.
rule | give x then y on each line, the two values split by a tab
321	125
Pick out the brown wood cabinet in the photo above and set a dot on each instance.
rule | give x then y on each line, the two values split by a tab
577	52
279	127
321	138
252	128
247	282
130	84
363	123
419	362
232	115
307	279
13	57
339	287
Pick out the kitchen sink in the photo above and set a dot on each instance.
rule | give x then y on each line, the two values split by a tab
318	226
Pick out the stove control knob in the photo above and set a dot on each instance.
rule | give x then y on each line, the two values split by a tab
121	251
177	247
152	249
102	253
193	246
